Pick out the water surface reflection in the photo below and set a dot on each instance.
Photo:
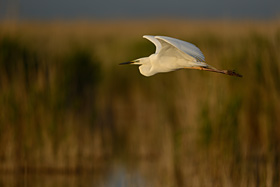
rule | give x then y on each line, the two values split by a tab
117	176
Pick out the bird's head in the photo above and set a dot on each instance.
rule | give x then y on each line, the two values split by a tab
145	65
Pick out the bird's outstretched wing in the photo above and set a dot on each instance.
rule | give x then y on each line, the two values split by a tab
185	47
154	41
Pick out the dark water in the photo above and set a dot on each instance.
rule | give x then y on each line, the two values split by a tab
117	176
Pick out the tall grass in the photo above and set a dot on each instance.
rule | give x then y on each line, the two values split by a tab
66	105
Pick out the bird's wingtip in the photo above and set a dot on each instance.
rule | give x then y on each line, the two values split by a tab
147	36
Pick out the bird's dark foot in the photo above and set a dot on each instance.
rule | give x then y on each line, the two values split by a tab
232	73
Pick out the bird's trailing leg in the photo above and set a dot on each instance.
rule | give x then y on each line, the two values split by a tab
226	72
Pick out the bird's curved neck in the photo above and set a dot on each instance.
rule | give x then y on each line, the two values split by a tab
146	67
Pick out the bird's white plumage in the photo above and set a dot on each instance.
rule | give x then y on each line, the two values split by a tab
173	54
185	47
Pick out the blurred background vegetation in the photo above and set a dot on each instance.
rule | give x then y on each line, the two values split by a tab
67	108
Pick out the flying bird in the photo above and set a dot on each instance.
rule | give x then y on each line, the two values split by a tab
174	54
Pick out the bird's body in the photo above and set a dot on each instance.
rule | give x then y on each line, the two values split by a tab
173	54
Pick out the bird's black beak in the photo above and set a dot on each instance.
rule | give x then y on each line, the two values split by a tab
125	63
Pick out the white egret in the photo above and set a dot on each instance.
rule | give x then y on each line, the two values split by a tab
174	54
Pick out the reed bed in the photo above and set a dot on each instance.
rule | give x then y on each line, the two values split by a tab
67	107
